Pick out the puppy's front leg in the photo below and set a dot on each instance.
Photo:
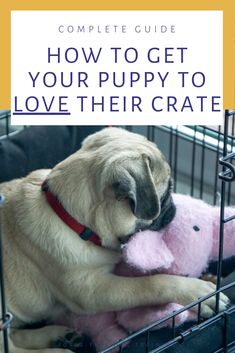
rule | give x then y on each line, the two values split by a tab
97	291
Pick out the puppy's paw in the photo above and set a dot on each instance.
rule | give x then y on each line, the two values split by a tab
197	289
75	342
209	277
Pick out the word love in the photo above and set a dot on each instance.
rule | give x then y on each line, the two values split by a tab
34	104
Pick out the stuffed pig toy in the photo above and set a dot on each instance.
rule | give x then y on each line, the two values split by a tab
184	247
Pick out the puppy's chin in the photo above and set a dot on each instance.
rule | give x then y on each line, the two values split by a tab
140	226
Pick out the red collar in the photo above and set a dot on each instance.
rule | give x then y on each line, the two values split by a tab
82	231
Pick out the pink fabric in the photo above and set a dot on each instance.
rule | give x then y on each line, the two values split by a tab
184	247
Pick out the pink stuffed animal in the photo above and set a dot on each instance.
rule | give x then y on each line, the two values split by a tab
184	247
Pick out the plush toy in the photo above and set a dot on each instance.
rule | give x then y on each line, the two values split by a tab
184	247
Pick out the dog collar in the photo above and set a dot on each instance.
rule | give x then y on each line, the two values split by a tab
84	232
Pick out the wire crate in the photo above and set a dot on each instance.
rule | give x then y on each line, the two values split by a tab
202	166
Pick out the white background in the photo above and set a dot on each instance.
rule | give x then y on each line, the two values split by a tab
34	31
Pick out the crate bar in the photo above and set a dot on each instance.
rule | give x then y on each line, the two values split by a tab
225	332
222	207
217	169
229	156
148	132
5	317
171	146
176	159
199	313
232	145
227	174
230	112
120	349
228	219
173	326
202	163
7	124
193	162
147	341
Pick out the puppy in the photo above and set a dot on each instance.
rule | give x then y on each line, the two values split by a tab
116	184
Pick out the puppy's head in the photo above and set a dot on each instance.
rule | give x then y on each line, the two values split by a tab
116	184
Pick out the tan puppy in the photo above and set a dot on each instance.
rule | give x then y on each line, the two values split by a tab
117	183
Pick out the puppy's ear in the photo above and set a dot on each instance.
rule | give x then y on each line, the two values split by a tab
139	189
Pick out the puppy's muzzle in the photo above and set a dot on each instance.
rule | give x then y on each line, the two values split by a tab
168	211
